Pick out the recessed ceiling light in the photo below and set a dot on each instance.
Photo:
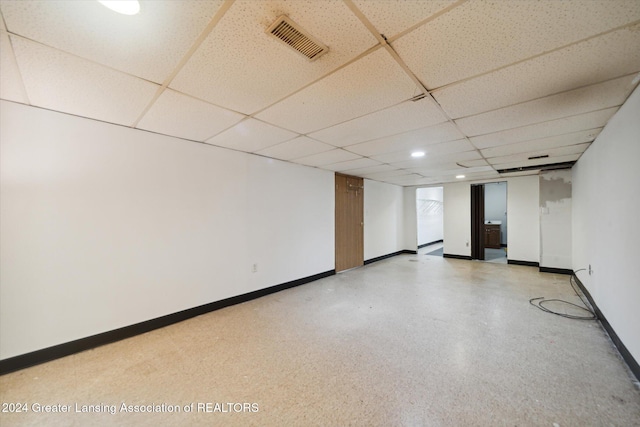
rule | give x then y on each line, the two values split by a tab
417	154
459	176
125	7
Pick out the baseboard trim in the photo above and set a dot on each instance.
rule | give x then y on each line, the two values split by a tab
566	271
624	352
468	258
527	263
37	357
380	258
430	243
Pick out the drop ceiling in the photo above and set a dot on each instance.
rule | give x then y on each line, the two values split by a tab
479	86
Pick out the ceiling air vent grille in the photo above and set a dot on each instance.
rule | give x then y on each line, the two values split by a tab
287	31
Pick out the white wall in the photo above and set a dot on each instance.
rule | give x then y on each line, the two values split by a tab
383	219
104	226
555	219
606	230
523	242
410	219
430	215
457	219
495	206
524	220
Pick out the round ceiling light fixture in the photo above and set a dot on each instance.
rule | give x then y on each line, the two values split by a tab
417	154
125	7
459	176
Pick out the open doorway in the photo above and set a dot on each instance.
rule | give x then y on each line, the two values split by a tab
489	222
430	216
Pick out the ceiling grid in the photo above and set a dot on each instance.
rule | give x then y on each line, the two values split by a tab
504	82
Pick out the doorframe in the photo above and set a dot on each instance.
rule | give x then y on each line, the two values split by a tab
477	221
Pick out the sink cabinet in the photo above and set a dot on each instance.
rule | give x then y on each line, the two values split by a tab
492	236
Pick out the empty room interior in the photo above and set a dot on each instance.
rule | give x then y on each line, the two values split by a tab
329	212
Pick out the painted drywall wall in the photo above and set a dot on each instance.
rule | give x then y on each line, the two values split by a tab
430	210
104	226
383	219
555	219
524	219
410	219
495	206
523	238
605	227
457	219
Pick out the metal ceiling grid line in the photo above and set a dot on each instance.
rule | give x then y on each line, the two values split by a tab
546	121
383	41
23	87
205	33
439	88
346	64
551	94
424	21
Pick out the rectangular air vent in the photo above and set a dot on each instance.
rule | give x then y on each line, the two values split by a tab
288	32
544	156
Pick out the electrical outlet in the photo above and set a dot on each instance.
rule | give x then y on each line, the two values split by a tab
254	268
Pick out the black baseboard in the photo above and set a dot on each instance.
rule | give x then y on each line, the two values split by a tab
527	263
468	258
504	245
566	271
628	357
380	258
430	243
47	354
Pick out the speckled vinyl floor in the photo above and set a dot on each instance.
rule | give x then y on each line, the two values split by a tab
409	341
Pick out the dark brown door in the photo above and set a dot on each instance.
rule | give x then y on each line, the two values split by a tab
349	222
477	222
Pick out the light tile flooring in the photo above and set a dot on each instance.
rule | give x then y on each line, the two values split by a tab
409	341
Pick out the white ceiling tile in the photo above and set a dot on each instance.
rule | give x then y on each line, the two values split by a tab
251	135
409	140
403	117
380	176
301	146
11	87
405	180
431	151
149	44
551	142
185	117
612	55
327	158
242	68
552	153
436	160
479	176
351	164
344	95
596	97
473	163
452	169
483	35
393	17
587	121
58	81
371	170
536	162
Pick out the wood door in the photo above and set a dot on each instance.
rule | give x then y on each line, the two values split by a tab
349	222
